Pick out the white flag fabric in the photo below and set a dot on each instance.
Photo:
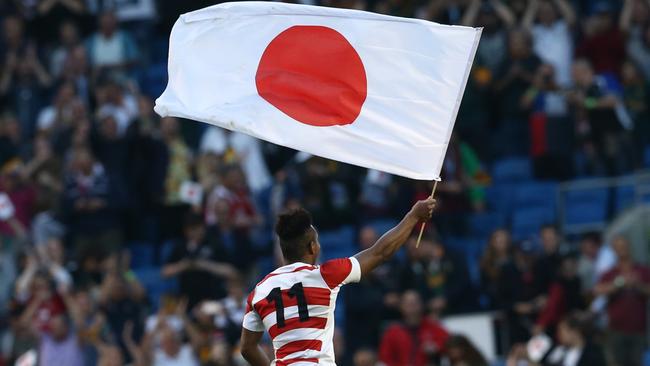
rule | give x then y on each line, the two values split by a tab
372	90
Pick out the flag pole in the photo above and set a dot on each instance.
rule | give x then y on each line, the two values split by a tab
424	224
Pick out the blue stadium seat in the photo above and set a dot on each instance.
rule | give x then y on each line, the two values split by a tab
155	285
382	226
154	79
500	198
646	157
536	194
512	170
527	221
586	206
333	253
166	250
471	249
624	198
142	255
344	237
483	224
159	50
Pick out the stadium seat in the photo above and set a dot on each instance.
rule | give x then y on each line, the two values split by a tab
142	255
382	226
155	285
536	194
342	238
624	198
159	49
512	170
154	79
470	249
166	250
499	198
587	206
646	358
527	221
646	157
483	224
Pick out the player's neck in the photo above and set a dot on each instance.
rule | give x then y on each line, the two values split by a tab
309	261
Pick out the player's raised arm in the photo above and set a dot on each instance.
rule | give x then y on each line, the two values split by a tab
390	242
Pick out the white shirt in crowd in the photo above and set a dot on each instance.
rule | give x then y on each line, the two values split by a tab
185	357
553	44
249	150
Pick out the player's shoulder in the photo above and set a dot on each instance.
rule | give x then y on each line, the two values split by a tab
340	271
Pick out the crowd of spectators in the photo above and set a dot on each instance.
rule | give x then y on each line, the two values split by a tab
87	169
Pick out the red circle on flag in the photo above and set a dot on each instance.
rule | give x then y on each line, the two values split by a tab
314	75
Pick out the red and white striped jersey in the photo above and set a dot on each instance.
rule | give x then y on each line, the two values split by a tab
295	304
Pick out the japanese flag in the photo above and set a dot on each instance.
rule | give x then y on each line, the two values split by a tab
372	90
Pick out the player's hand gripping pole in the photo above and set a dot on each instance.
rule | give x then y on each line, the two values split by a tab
424	224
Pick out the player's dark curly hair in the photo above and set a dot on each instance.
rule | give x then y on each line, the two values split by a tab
294	230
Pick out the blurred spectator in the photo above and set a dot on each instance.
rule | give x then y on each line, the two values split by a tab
50	14
60	112
328	188
234	192
495	18
76	70
552	34
377	193
603	45
178	171
417	340
121	301
575	345
194	261
87	208
512	78
594	102
590	245
460	189
365	357
23	83
523	302
497	265
36	290
627	287
111	49
635	21
547	265
236	147
13	31
369	302
21	193
45	170
9	138
439	276
461	352
69	39
114	100
551	133
564	297
636	96
162	346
